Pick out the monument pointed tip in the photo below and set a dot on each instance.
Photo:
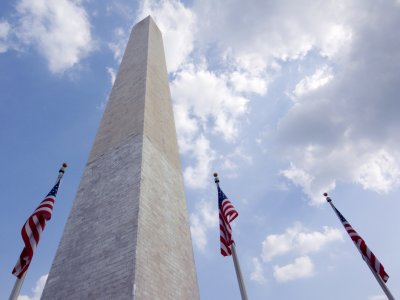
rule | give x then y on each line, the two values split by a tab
149	21
149	18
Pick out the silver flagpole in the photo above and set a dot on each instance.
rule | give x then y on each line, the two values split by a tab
17	287
239	275
18	283
377	277
380	281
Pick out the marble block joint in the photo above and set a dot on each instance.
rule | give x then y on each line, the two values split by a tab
127	236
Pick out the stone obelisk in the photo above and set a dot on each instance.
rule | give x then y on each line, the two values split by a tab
127	236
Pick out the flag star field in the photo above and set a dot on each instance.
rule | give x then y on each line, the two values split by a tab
286	100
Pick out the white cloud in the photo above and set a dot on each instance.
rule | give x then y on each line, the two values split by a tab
204	219
309	242
198	176
251	62
332	133
311	186
310	83
214	99
302	267
245	82
374	168
337	38
228	24
345	130
258	273
37	290
205	101
208	98
231	161
329	134
4	33
60	30
118	45
187	127
177	23
278	244
112	73
298	239
380	172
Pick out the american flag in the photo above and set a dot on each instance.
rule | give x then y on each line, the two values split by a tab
227	214
367	254
33	228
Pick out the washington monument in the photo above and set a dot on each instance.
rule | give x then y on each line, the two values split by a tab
127	236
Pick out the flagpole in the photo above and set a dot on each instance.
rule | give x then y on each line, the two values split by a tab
18	283
239	275
377	277
17	287
380	281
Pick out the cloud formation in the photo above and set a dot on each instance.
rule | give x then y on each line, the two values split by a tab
209	100
118	45
302	267
4	33
258	272
300	240
310	83
206	102
344	129
204	219
59	29
338	105
217	100
37	290
197	175
296	240
319	27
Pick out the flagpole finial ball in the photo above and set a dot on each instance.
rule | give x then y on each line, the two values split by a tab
215	174
326	194
64	165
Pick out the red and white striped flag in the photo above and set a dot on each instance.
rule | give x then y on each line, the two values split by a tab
227	214
33	228
368	256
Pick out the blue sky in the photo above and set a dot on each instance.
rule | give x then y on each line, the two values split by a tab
285	99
